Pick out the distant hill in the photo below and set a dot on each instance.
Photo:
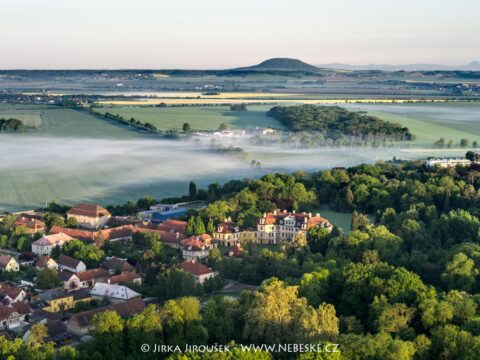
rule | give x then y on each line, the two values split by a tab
282	64
473	66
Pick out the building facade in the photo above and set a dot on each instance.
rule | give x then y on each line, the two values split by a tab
278	226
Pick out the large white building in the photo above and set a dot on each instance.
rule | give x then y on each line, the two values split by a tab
278	225
89	216
45	245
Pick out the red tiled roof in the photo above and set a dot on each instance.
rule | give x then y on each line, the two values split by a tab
42	261
124	309
89	210
124	278
31	224
165	236
11	291
173	225
197	242
194	268
22	308
227	227
84	235
118	232
4	260
5	311
116	263
93	274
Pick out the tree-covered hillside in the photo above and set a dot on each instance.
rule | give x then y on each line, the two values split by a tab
335	122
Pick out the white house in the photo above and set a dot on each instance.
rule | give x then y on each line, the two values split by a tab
89	216
115	293
200	272
45	245
71	264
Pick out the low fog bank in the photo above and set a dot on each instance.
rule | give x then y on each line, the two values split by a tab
34	170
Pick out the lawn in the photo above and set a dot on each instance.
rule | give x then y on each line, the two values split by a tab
199	117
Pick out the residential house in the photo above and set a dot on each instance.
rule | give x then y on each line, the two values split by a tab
125	278
80	324
113	292
197	247
278	226
46	262
116	265
32	225
228	233
59	300
46	243
89	216
10	294
23	309
169	238
8	263
89	278
71	281
173	226
119	233
71	264
200	272
9	317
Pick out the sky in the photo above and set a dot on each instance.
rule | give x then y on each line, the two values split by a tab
207	34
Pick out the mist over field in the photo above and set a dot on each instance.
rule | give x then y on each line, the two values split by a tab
36	169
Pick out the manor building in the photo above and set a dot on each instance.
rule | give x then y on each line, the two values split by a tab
274	227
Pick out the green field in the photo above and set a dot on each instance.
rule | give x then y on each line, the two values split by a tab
199	117
60	122
429	122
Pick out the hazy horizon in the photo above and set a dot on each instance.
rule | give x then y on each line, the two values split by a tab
214	34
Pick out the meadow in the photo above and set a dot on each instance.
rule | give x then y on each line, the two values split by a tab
199	117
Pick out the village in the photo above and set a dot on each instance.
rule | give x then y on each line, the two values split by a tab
65	292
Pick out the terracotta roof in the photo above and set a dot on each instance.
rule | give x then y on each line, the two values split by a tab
68	261
84	235
173	225
300	218
235	251
197	242
43	261
11	291
4	260
5	311
125	309
227	227
22	308
89	210
93	274
53	239
124	278
118	232
194	268
165	236
115	263
31	224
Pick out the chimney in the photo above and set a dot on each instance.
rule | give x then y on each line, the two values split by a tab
177	235
275	212
317	214
293	212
